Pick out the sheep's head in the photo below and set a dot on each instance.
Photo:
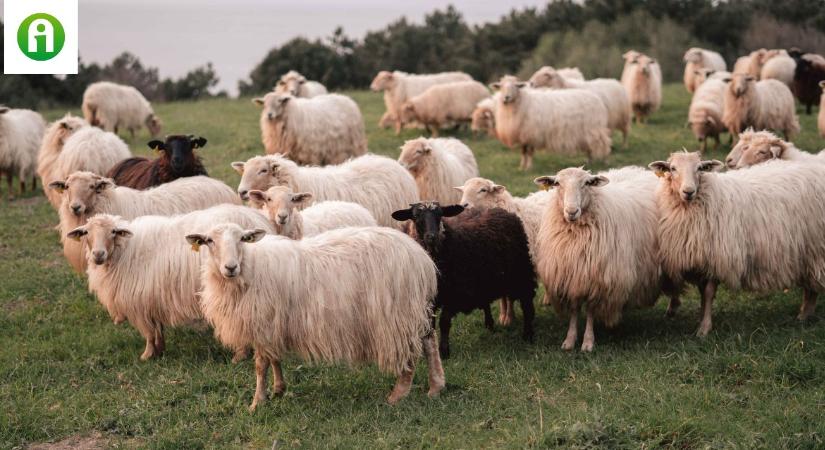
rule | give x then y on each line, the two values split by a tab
684	172
740	83
291	83
546	77
274	104
483	119
701	124
281	204
80	191
694	55
178	150
426	218
702	75
415	154
154	124
755	147
63	128
104	233
509	86
225	243
408	113
575	190
481	193
645	64
631	56
383	81
262	172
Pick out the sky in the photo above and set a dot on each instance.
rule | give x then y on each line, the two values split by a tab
178	35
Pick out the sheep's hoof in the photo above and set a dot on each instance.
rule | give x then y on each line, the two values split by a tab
703	331
147	355
279	389
587	347
257	401
803	317
444	352
670	313
435	389
568	344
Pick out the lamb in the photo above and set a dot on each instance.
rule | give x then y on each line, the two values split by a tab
398	87
438	165
706	109
444	104
142	290
21	131
375	182
610	92
176	160
352	295
750	229
821	117
295	84
566	120
481	255
86	194
283	207
766	104
756	147
810	71
112	106
779	67
643	83
484	116
327	129
53	141
597	246
699	58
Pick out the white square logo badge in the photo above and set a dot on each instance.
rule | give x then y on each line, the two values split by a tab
40	37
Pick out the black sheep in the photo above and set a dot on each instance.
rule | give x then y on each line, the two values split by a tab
481	255
810	70
176	160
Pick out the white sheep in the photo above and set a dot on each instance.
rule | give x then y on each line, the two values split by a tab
398	87
821	117
571	73
21	131
565	121
756	229
351	295
610	91
129	263
766	104
114	106
703	75
327	129
297	85
438	165
86	194
283	207
643	83
628	69
53	141
444	104
484	116
756	147
780	67
742	65
375	182
543	76
706	109
699	58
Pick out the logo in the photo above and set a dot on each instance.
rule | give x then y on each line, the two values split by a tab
41	37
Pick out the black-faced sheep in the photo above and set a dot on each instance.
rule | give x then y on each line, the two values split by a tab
809	74
177	160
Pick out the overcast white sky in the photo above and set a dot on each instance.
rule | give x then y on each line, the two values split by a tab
177	35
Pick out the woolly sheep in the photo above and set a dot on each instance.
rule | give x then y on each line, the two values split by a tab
21	131
810	71
375	182
610	92
129	263
54	139
766	104
597	246
566	121
643	83
706	109
484	116
750	229
699	58
703	75
755	147
628	69
297	85
327	129
283	207
113	106
779	67
360	295
438	165
821	117
86	194
443	104
571	73
398	87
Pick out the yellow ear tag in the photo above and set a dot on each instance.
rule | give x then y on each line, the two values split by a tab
659	173
196	247
544	187
157	151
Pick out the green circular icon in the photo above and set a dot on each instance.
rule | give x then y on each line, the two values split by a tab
41	37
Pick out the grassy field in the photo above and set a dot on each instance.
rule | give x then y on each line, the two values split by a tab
758	380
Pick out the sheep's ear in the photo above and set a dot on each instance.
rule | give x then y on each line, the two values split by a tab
546	182
659	167
822	84
198	142
283	100
156	145
196	240
123	232
452	210
709	166
77	233
103	183
59	186
238	166
727	79
711	120
403	215
521	84
251	236
749	78
258	101
495	86
497	188
257	196
777	149
597	181
64	125
4	109
459	188
427	148
301	197
696	72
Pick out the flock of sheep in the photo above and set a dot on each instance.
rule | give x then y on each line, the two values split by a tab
340	255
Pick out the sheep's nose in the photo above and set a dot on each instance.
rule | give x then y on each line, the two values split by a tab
76	208
244	194
688	193
99	256
729	162
231	268
269	116
282	218
429	237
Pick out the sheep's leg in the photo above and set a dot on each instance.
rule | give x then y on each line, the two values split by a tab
132	133
521	163
444	324
589	337
34	182
529	313
433	131
402	385
708	293
808	304
278	383
10	183
436	370
148	332
572	330
674	305
808	109
488	318
625	134
526	158
502	313
397	127
22	186
546	300
716	142
160	341
261	369
240	355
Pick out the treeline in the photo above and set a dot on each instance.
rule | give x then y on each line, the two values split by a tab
591	34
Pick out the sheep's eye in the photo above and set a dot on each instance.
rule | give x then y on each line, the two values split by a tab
262	171
482	190
419	151
208	240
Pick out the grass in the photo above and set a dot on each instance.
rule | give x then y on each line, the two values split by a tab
758	380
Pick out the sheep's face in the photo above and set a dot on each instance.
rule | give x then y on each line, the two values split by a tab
225	246
66	127
575	190
509	86
755	147
426	218
383	81
104	233
483	119
80	191
645	65
480	193
415	155
281	204
154	125
702	75
178	150
683	172
630	56
547	77
740	83
408	113
291	83
274	105
262	172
